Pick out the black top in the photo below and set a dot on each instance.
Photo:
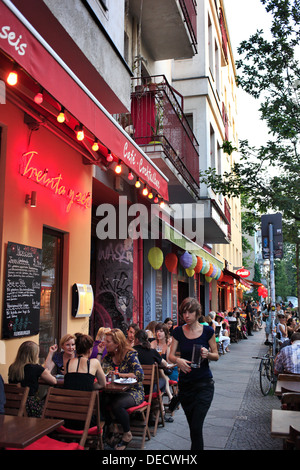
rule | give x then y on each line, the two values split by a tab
147	356
32	373
83	381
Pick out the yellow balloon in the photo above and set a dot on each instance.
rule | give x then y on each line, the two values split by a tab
155	257
190	272
208	279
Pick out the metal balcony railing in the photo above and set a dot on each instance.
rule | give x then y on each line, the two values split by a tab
190	16
156	119
224	35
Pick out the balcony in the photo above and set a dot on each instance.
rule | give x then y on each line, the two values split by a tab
159	127
224	61
168	27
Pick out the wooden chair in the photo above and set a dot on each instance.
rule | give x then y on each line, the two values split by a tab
137	427
293	441
290	401
157	407
16	398
292	377
79	406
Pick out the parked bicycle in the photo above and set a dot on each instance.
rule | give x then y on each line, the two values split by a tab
267	378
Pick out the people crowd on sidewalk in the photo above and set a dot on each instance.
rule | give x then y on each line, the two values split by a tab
84	362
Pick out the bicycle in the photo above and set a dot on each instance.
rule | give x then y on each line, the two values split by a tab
267	378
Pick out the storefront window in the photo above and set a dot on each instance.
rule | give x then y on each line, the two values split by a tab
50	312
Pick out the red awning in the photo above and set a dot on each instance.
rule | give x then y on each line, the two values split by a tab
20	41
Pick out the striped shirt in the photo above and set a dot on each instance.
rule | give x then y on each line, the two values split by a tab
288	359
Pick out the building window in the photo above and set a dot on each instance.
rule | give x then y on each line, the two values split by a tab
51	290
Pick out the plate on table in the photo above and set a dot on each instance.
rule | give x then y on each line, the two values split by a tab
125	381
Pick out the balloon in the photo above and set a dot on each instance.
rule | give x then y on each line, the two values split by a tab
171	262
260	290
221	276
194	262
186	260
205	267
208	279
155	257
211	268
199	265
190	272
215	271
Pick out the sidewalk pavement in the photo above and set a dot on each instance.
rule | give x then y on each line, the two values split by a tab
239	417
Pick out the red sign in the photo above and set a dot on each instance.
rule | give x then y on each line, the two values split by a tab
19	43
243	272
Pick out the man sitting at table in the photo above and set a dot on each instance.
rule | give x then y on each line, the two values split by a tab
288	359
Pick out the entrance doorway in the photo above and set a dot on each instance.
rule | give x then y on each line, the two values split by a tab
51	290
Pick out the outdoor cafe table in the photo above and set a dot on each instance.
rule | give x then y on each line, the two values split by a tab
20	431
281	420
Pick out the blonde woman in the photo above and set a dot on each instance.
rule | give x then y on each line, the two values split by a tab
26	371
59	356
99	349
120	355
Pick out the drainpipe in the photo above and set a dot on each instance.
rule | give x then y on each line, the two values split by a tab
140	283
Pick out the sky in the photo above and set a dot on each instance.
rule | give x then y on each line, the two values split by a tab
244	17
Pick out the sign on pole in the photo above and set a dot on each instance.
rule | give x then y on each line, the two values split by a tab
276	221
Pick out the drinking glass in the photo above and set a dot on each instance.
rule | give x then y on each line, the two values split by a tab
196	356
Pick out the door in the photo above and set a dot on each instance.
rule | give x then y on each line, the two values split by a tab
51	290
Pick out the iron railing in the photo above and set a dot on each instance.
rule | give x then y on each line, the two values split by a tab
157	119
190	16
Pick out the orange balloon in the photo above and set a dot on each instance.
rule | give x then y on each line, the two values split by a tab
220	278
211	268
199	265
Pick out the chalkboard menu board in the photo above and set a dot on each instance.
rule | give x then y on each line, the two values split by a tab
22	291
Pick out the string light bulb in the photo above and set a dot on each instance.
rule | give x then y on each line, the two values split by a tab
79	132
95	146
118	168
130	176
162	204
39	97
155	200
150	195
109	157
12	78
61	117
145	191
137	183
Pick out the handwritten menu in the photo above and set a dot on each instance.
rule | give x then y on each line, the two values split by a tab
22	291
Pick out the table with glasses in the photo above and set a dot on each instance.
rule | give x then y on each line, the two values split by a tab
20	431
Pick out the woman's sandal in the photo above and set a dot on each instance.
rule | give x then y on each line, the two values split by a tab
122	444
113	439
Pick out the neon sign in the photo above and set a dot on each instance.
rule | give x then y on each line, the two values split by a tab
54	183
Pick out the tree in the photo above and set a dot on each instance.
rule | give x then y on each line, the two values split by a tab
268	177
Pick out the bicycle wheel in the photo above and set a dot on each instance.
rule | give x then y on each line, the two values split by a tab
265	376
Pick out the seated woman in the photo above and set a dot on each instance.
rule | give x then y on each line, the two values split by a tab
149	356
150	330
82	371
162	345
100	340
26	370
120	355
223	336
59	356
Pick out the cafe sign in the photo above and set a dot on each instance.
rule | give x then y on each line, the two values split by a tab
54	183
243	272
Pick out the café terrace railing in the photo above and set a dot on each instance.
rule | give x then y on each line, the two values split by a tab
158	122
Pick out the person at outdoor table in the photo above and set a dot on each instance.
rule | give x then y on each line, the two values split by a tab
148	355
99	343
162	345
288	358
196	385
120	355
292	326
81	373
150	330
132	329
281	329
223	336
26	370
59	356
170	324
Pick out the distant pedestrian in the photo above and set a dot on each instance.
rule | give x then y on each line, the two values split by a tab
196	385
249	318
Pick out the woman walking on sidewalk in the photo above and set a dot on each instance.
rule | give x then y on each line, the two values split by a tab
196	385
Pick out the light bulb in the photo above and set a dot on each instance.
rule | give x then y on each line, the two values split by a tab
12	78
79	133
155	200
145	191
130	176
118	168
150	195
95	146
109	157
137	184
162	204
39	98
61	117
